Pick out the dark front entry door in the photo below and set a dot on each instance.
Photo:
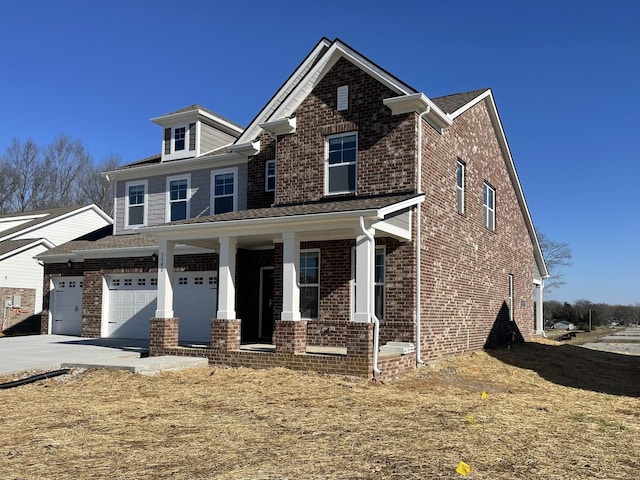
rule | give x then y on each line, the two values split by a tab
265	329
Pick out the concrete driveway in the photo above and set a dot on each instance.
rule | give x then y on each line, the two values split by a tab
625	341
52	352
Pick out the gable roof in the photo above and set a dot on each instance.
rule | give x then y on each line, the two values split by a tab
451	103
13	247
311	71
38	218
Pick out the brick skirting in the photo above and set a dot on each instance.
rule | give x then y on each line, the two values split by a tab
290	349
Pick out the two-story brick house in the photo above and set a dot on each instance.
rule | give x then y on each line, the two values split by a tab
355	226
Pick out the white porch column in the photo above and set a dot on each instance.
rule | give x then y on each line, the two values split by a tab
227	279
164	303
539	308
290	271
365	262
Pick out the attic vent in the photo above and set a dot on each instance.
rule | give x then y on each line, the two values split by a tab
343	97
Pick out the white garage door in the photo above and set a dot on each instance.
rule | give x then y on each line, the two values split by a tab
132	301
66	306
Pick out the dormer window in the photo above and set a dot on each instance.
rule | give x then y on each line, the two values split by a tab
179	135
179	140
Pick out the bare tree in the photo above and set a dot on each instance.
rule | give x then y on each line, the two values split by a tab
6	187
96	188
65	162
556	255
24	169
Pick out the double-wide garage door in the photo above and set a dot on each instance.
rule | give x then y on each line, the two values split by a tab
132	301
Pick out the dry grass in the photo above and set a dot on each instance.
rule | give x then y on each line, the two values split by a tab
221	423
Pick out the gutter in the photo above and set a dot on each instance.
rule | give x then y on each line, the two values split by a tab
419	360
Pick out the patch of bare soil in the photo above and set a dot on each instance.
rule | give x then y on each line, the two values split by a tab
500	412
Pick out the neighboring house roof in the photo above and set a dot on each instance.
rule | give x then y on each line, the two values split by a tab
38	218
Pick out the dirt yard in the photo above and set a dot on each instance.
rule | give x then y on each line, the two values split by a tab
539	411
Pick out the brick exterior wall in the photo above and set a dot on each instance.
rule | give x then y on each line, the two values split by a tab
465	266
386	144
256	195
18	318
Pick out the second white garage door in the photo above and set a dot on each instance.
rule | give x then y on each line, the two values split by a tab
132	301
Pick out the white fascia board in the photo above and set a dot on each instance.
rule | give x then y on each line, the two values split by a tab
178	166
314	76
281	126
246	149
253	130
41	241
262	226
418	103
302	85
511	168
473	102
396	207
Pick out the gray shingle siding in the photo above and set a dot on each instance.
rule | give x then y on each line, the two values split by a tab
157	196
212	138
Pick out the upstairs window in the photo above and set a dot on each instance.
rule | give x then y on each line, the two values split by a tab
136	198
224	188
460	181
180	140
179	136
270	176
489	207
342	154
177	198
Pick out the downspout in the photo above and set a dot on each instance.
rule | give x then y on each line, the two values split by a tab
419	360
372	308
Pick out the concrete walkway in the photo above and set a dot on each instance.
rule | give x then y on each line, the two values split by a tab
625	341
51	352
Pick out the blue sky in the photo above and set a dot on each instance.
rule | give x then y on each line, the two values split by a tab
565	76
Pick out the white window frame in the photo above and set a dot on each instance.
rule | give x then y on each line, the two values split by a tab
168	203
511	297
379	248
224	171
460	186
489	210
327	166
310	285
186	138
268	176
145	203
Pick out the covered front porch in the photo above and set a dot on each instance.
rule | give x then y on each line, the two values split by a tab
264	267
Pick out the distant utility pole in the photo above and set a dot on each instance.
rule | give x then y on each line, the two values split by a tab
589	319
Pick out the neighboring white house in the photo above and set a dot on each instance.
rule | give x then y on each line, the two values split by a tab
564	325
27	234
